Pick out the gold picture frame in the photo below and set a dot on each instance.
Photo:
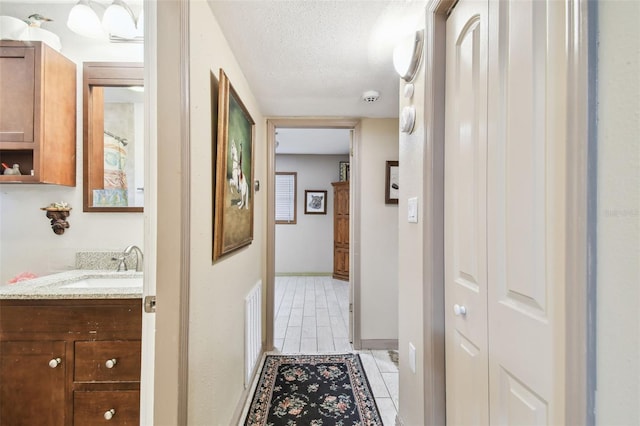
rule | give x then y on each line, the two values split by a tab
234	196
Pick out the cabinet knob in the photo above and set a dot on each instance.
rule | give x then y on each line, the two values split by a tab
110	363
459	310
108	415
55	362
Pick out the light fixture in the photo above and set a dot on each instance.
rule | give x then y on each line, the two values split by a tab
407	54
84	20
118	21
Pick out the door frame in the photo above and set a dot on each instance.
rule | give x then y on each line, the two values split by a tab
354	206
580	220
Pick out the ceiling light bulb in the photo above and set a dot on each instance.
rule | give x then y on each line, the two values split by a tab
84	20
118	20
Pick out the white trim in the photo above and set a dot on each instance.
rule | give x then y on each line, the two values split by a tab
580	226
379	344
185	243
150	211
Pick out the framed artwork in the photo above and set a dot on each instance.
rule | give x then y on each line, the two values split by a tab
344	171
233	198
392	180
315	202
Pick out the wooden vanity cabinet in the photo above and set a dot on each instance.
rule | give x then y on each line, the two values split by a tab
70	362
37	113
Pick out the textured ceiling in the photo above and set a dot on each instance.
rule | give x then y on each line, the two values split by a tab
317	57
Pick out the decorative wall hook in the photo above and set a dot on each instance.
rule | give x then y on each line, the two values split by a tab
58	213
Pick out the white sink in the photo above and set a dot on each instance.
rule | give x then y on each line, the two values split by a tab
106	282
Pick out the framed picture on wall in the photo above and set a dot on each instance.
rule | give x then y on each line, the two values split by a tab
344	171
315	202
233	205
392	186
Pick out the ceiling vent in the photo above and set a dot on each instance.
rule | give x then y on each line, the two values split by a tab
370	96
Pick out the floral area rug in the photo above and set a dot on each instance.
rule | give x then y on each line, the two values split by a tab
327	390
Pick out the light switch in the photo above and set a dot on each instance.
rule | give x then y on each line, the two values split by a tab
412	357
412	210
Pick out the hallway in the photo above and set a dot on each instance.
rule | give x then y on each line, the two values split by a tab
312	316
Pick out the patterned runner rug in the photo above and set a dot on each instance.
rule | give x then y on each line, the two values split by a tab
313	390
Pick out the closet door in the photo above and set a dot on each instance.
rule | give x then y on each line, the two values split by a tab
465	215
526	214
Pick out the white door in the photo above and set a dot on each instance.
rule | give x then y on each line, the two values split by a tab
526	213
504	212
467	382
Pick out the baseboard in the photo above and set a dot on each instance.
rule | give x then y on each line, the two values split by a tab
379	344
245	398
304	274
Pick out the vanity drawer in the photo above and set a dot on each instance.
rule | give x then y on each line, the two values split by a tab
90	408
107	361
65	319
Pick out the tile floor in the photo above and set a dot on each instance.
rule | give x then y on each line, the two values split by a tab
312	316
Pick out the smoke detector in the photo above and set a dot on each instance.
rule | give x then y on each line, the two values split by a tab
370	96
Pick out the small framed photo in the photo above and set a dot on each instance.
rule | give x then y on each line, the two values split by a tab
315	202
344	171
392	187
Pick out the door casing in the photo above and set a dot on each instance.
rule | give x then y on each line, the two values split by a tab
354	231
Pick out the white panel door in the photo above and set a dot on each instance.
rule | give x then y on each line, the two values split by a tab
526	212
465	215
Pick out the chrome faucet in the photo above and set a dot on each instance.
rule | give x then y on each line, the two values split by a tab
125	253
139	256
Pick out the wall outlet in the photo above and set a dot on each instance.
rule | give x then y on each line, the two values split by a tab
412	357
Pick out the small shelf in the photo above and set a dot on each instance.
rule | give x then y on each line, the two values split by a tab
22	157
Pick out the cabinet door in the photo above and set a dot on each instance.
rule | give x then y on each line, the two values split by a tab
17	85
32	387
341	231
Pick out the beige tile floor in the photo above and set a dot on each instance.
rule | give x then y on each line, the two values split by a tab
312	316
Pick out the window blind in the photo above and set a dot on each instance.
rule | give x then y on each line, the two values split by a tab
286	198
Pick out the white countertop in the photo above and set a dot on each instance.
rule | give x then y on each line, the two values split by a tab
52	286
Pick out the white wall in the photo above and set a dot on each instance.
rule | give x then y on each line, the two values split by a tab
411	275
618	235
379	233
217	291
28	243
307	246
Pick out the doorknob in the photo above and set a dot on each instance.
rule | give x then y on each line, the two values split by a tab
459	310
55	362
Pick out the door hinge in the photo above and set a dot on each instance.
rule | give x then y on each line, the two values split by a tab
150	304
350	308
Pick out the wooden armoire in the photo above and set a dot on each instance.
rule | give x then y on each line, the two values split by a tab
341	230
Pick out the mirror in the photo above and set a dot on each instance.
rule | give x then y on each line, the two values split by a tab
113	153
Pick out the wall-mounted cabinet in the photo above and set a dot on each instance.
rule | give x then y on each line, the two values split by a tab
37	113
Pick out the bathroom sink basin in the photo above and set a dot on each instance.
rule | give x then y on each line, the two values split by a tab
106	282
